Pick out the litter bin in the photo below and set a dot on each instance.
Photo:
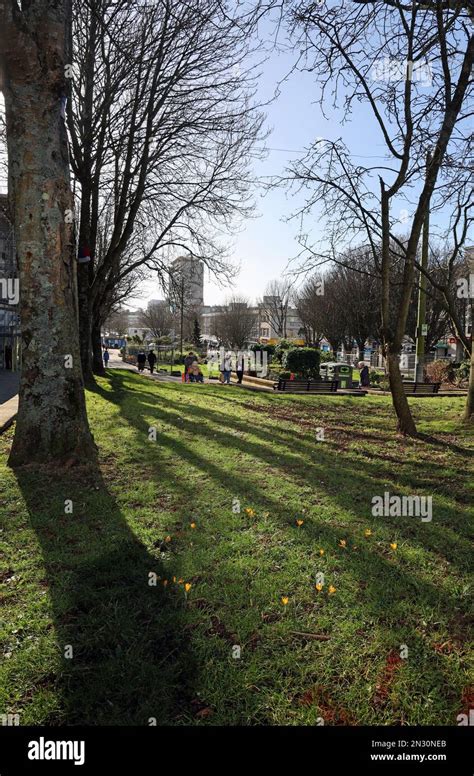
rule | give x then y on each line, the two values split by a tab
336	370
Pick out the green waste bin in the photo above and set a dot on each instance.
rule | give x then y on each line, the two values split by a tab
336	370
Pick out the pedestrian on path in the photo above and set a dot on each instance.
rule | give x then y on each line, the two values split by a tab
141	360
151	361
364	379
239	368
106	357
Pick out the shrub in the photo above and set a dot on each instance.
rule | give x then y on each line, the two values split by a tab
438	372
375	377
269	349
325	355
384	385
302	361
461	373
284	375
281	349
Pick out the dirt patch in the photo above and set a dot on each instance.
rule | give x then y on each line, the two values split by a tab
329	710
383	686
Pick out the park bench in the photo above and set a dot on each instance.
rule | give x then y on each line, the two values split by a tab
421	389
306	386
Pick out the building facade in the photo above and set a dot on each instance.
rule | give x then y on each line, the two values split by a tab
264	331
186	285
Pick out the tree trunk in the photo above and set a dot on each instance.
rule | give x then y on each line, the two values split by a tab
85	325
97	359
469	408
406	424
52	422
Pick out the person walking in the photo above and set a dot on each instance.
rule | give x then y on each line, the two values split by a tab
141	360
364	380
106	357
151	361
239	368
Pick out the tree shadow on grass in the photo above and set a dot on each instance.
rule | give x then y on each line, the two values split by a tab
125	656
447	535
394	594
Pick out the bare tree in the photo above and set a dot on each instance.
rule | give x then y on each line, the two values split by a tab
357	292
423	108
235	324
307	302
117	322
34	44
162	127
158	319
274	305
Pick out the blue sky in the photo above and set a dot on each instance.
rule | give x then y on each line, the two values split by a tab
264	245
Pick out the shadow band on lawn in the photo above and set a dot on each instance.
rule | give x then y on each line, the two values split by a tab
130	655
449	534
439	538
394	596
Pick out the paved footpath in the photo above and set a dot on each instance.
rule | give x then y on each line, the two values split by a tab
116	362
8	397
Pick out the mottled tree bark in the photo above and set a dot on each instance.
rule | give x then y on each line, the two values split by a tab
52	422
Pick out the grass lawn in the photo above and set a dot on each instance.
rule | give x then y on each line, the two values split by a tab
86	639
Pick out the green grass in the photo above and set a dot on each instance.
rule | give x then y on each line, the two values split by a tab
142	652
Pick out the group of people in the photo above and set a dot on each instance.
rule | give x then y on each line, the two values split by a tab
225	370
142	358
193	374
192	370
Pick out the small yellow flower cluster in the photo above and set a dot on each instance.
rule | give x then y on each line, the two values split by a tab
342	543
331	588
180	581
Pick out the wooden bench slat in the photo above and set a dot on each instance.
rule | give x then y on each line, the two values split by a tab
420	388
306	386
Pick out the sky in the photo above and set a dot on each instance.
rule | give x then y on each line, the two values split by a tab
266	243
